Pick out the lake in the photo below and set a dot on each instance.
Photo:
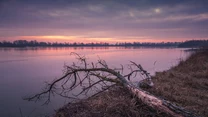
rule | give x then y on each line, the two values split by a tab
23	71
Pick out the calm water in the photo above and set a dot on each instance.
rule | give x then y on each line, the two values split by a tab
23	71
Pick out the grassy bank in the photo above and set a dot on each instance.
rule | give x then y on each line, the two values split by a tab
186	85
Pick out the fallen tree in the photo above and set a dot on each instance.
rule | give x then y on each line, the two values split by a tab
98	77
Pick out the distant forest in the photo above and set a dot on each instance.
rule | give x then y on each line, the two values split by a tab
34	43
194	44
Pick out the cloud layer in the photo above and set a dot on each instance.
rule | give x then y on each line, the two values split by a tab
132	20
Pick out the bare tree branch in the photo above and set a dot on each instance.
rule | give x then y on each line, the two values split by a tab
101	77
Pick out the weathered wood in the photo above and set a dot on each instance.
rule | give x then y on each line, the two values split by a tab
155	102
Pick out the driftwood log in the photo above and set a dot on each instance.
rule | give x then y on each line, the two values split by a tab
100	77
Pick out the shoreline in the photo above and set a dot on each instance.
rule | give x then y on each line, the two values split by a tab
185	84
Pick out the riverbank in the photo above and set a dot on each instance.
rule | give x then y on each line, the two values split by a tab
186	85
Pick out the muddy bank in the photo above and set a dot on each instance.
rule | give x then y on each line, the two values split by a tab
186	85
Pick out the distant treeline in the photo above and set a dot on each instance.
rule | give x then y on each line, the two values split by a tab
34	43
194	44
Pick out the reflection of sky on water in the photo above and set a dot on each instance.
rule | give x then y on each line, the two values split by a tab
23	71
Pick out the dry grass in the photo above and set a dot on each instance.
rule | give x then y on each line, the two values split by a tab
117	102
185	85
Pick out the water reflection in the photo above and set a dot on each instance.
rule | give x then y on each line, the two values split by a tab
23	71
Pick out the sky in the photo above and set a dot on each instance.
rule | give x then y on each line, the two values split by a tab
103	20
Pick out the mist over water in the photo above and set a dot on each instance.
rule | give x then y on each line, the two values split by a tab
23	71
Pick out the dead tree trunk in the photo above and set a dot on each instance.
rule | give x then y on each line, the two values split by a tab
78	75
155	102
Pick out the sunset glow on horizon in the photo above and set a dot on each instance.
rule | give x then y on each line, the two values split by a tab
77	39
55	38
103	21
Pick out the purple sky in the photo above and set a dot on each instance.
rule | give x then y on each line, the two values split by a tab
103	20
